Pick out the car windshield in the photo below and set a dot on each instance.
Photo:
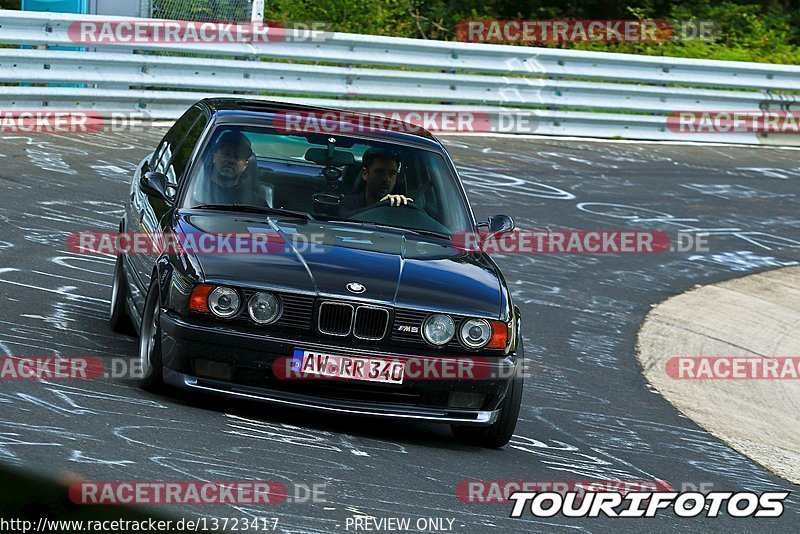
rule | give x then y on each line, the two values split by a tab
328	177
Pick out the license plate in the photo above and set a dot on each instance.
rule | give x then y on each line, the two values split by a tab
309	363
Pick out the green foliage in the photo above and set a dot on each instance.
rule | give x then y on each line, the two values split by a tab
749	30
374	17
745	33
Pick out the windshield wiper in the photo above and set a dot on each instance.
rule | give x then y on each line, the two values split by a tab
336	218
415	231
256	209
376	226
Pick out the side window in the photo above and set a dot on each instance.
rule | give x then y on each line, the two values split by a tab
180	140
180	160
168	145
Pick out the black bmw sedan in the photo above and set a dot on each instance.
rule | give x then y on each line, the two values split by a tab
314	266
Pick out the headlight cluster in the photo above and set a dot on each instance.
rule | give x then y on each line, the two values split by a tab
223	302
475	333
263	307
439	329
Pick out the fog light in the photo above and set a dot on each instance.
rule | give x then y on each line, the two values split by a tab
460	399
212	369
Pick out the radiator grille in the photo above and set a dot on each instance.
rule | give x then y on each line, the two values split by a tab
371	322
335	318
362	321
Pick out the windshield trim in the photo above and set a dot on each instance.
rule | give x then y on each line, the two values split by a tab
415	232
216	121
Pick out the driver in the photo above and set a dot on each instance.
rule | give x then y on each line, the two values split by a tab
379	173
224	182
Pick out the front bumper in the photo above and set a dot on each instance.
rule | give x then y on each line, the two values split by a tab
251	356
315	403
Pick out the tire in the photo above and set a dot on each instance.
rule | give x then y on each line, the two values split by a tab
150	343
118	316
500	432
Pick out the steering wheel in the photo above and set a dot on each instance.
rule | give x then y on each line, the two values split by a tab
385	203
416	217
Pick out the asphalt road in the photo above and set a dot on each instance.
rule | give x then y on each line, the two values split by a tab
587	412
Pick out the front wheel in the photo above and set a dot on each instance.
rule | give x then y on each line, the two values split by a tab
150	343
498	433
118	316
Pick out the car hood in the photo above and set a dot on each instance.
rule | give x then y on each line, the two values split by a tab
397	269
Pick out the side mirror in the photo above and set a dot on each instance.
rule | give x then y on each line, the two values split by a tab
500	224
154	184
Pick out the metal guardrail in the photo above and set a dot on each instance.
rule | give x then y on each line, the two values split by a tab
569	92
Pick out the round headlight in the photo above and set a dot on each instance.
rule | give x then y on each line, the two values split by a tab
223	302
264	308
475	333
438	329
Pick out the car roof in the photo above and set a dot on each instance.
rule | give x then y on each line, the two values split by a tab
252	111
